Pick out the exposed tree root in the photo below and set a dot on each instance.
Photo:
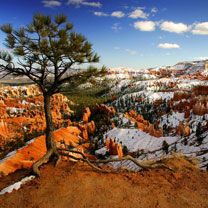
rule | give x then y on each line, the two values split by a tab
87	161
145	165
50	154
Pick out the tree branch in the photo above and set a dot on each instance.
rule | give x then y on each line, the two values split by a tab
144	165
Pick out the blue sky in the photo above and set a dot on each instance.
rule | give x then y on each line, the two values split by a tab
128	33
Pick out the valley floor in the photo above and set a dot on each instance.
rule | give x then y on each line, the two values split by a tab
70	185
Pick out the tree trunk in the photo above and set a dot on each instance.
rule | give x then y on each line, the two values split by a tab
52	153
50	143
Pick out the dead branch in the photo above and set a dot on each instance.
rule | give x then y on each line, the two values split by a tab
72	151
145	165
87	161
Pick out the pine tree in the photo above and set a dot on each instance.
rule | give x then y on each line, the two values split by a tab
46	52
165	147
199	133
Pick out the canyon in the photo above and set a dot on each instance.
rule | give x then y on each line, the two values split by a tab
151	115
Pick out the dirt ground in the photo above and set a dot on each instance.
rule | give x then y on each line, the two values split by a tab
75	186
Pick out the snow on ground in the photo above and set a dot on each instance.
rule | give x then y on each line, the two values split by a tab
118	87
172	120
14	111
152	83
86	85
118	76
16	185
150	147
123	118
181	66
136	140
175	118
151	96
24	102
205	73
189	84
10	154
195	119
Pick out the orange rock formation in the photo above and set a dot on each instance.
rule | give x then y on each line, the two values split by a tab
21	113
143	124
114	148
183	130
32	120
26	156
196	100
86	115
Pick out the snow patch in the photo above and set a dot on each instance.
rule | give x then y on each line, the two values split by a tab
16	185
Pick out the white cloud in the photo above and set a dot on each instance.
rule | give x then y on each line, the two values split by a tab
131	52
84	3
75	2
138	13
168	45
51	3
200	28
100	14
174	27
117	14
154	10
116	27
145	25
92	4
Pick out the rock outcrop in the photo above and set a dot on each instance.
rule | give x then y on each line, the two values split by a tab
114	147
35	149
183	130
143	124
22	115
14	125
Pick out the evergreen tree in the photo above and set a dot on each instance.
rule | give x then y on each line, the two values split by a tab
46	52
165	147
199	133
125	150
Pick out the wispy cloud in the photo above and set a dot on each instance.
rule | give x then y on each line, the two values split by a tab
117	14
51	3
79	3
154	10
127	50
131	52
116	27
168	46
101	14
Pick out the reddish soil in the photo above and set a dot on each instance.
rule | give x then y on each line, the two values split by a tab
75	186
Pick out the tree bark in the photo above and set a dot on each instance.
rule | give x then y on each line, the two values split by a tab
52	153
50	143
